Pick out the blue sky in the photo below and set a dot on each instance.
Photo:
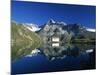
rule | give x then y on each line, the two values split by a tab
40	13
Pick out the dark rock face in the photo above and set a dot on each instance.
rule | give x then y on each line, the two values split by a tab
65	32
53	29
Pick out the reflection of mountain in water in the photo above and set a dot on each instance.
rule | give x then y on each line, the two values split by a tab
64	58
67	50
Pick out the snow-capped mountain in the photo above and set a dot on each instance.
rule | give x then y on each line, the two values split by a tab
67	30
32	27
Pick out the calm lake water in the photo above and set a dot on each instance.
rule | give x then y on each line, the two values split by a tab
63	58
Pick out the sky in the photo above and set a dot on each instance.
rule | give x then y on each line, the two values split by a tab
40	13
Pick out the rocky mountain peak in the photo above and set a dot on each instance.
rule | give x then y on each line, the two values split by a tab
51	21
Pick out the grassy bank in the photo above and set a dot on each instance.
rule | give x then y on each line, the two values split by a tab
23	41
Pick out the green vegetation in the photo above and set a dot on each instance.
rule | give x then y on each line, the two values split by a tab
88	41
83	40
23	41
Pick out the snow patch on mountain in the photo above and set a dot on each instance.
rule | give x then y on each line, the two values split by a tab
33	53
91	30
32	27
89	51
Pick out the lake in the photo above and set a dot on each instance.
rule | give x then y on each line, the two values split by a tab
50	59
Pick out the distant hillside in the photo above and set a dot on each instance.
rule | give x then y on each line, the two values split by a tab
23	41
